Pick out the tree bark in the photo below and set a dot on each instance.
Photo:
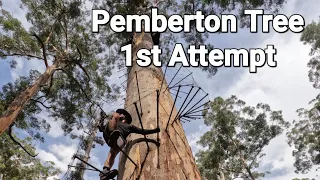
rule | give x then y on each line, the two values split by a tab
176	160
250	174
87	151
221	175
247	168
16	106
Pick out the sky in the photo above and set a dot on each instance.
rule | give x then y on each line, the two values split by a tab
285	87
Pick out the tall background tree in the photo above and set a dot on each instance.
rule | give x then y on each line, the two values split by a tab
76	71
87	142
238	135
305	133
15	163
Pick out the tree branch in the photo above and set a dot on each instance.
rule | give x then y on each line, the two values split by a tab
255	157
12	138
157	3
51	84
20	54
40	98
43	46
52	27
76	81
81	67
51	81
56	49
48	107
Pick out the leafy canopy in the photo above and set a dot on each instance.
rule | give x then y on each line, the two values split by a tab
166	7
233	147
59	34
16	164
305	133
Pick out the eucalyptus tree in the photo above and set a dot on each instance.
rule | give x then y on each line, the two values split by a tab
15	163
233	147
305	134
76	65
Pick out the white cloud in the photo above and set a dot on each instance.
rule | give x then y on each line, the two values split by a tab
60	154
193	138
55	129
95	161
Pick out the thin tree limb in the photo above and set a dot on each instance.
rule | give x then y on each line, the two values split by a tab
40	98
52	27
81	67
76	81
51	84
56	49
21	54
12	138
84	70
255	157
48	107
43	46
80	55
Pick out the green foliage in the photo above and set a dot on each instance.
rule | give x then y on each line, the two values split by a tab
311	36
238	6
305	134
15	164
168	39
59	33
26	120
238	134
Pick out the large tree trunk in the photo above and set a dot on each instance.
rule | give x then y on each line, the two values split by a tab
10	115
176	160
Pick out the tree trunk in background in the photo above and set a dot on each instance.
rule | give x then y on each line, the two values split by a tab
221	175
86	157
16	106
175	156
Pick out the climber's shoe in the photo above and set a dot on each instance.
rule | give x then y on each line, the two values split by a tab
108	174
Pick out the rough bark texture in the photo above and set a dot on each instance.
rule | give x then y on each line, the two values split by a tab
20	101
176	160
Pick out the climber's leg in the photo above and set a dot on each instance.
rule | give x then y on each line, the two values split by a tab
109	163
111	157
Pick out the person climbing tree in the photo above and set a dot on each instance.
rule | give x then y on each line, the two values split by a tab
115	132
